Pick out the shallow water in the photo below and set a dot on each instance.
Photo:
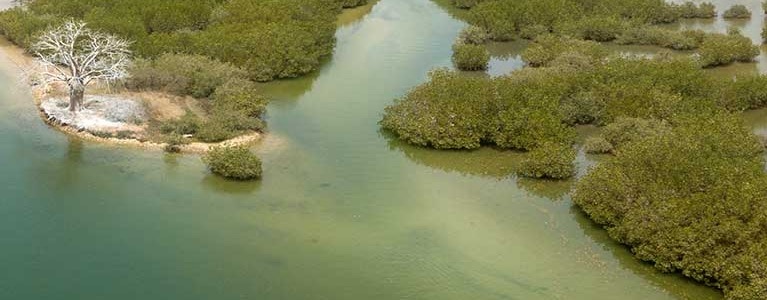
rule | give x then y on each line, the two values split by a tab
344	211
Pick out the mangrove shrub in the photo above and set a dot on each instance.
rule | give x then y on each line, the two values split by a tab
721	49
548	47
447	112
470	57
233	162
693	200
737	11
549	161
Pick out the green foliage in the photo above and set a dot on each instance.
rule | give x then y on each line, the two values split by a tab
234	163
705	10
270	39
626	130
174	142
672	39
239	95
187	124
550	160
236	121
21	26
702	214
582	108
214	132
720	49
597	145
744	92
546	48
447	112
451	111
600	28
470	57
273	38
651	88
505	19
473	35
527	111
738	11
181	74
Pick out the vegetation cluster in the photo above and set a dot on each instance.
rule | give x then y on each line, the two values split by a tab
737	12
576	82
684	185
510	19
234	162
691	198
268	39
231	101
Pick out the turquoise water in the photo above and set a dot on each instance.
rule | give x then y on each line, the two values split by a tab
344	211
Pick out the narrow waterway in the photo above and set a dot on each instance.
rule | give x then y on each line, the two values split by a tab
344	211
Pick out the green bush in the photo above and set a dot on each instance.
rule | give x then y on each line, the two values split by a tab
470	57
738	11
21	26
718	49
744	92
600	28
505	19
473	35
180	74
187	124
546	48
532	32
234	163
239	95
214	132
236	121
550	160
651	88
447	112
597	145
705	10
527	111
497	22
648	35
451	111
174	142
626	130
692	200
582	108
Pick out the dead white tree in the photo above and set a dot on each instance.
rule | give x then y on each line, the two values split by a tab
77	55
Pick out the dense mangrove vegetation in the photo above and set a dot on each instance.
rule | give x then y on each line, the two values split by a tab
684	184
690	199
269	39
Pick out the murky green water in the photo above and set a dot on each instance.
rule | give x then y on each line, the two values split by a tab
344	212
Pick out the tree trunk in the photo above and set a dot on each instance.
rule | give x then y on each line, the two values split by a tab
76	94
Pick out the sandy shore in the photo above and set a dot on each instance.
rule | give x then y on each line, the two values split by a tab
14	61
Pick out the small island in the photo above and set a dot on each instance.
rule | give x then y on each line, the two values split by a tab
174	76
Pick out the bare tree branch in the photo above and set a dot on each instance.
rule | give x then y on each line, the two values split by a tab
74	54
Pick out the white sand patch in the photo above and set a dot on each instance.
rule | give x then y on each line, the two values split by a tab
99	114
